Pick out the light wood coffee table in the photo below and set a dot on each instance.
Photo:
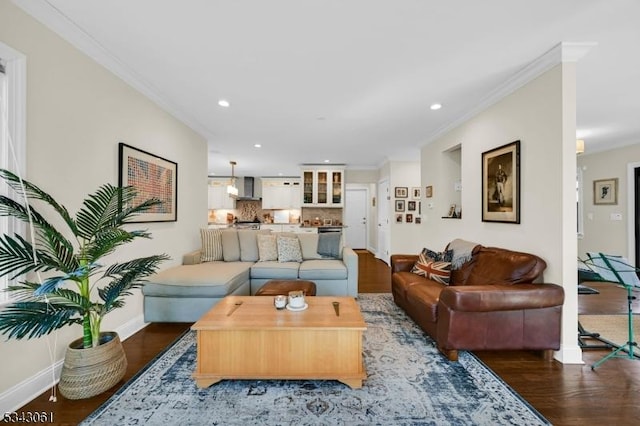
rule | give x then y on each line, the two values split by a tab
246	337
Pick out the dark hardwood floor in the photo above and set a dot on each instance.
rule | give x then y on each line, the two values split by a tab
564	394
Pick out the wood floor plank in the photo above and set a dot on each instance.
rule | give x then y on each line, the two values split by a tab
564	394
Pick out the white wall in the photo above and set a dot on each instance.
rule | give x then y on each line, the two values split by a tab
77	112
601	234
540	114
402	235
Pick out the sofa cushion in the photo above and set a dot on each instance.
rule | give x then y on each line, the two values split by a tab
325	269
248	245
275	269
289	249
424	297
230	245
492	265
267	248
209	279
434	265
309	245
211	240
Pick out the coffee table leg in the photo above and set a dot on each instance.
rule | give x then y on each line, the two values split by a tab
205	383
352	383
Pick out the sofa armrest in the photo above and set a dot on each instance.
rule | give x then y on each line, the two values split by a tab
191	258
403	262
501	297
350	259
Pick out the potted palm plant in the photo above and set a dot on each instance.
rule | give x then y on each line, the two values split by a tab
78	288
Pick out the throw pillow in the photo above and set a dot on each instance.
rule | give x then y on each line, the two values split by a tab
434	265
211	245
267	249
289	249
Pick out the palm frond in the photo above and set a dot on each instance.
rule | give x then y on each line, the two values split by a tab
127	276
108	239
34	192
99	211
49	239
35	319
52	284
16	257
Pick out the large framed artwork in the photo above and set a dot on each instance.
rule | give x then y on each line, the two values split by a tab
152	177
501	184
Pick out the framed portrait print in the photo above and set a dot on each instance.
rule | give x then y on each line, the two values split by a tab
409	218
415	193
399	218
411	206
399	205
428	191
152	177
402	192
501	184
605	191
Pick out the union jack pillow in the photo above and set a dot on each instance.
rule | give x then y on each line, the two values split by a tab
434	265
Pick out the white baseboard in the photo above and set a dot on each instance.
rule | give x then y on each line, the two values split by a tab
25	391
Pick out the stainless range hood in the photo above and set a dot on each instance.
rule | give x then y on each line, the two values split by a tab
249	193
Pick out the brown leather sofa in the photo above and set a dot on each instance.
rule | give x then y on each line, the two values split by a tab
490	304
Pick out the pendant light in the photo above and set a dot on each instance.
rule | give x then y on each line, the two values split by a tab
232	190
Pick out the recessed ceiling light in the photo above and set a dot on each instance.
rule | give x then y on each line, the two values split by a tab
327	161
257	145
224	103
435	106
280	174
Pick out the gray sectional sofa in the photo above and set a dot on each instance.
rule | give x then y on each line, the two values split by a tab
184	293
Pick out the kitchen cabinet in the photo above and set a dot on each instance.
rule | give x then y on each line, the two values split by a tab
218	196
295	228
280	194
323	187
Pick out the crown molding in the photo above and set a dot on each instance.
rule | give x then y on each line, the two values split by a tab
52	18
560	53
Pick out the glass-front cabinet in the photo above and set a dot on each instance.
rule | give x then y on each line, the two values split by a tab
322	187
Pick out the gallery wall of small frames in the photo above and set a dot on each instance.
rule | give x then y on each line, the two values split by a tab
408	207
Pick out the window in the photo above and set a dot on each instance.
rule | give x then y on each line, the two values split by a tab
12	130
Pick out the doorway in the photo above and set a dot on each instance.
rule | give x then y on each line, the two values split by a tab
356	217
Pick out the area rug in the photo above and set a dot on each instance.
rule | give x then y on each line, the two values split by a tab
409	383
614	328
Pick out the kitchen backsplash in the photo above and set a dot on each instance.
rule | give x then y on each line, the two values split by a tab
248	210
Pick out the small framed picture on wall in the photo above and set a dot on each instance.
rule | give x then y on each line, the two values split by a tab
399	205
402	192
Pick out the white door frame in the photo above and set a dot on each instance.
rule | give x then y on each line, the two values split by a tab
631	212
383	248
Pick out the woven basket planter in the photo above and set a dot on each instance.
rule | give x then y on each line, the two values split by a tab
89	372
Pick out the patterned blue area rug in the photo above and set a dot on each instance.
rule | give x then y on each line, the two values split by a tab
409	383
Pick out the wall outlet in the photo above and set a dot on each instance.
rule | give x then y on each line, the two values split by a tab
457	186
616	216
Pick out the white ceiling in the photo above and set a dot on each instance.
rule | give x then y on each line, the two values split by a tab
350	81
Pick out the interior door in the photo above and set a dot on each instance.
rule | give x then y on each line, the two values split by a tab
383	221
356	218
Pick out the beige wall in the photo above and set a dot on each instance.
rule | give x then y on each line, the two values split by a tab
402	235
77	112
540	115
601	234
